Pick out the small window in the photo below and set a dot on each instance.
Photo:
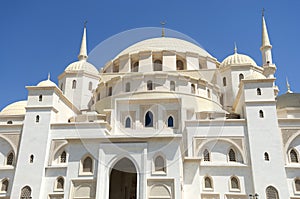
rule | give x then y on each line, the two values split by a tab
40	98
297	185
135	67
272	193
60	183
193	89
172	86
74	84
149	85
179	65
241	76
37	119
149	119
294	156
208	183
208	93
116	68
127	87
9	122
90	86
231	155
109	91
266	156
98	96
31	158
258	91
159	163
63	157
157	66
224	81
170	121
206	155
261	114
26	193
10	159
234	183
87	165
62	86
4	185
128	122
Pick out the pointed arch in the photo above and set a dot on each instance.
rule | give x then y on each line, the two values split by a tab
206	155
149	119
297	184
294	156
266	156
159	164
208	183
26	193
63	157
10	158
170	121
60	183
231	155
258	91
234	183
261	114
87	164
128	122
4	185
272	193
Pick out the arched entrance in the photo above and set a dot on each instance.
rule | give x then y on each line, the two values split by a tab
123	180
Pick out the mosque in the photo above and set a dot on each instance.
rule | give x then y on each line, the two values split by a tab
164	119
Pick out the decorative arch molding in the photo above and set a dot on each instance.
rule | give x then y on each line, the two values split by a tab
200	147
112	163
11	141
288	138
56	146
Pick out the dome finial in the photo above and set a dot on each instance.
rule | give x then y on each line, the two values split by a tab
163	23
49	76
288	86
83	49
235	48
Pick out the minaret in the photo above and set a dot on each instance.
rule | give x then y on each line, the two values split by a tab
83	49
266	51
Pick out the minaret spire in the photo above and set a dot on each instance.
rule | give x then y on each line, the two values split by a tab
83	48
163	23
288	86
265	43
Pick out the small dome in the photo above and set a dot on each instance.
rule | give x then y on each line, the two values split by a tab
46	83
16	108
238	59
165	44
291	100
255	75
82	65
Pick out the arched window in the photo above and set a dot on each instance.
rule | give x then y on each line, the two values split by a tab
10	158
179	65
159	164
149	85
206	155
149	119
63	157
271	193
87	165
266	155
294	156
208	183
170	121
208	93
90	86
74	84
4	185
224	81
231	155
60	183
241	76
193	89
31	158
128	122
157	66
37	119
135	67
297	185
9	122
127	87
261	114
258	91
172	86
234	182
40	98
26	193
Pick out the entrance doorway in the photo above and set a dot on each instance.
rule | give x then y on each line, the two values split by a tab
123	180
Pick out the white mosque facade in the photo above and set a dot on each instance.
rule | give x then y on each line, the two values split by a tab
163	120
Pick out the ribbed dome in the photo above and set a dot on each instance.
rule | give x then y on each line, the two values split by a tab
238	59
16	108
165	44
82	65
288	100
46	83
255	75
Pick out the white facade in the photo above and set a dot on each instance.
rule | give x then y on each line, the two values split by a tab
163	119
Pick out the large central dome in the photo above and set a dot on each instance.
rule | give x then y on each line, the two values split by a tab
165	44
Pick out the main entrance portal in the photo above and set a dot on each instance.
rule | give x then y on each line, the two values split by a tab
123	180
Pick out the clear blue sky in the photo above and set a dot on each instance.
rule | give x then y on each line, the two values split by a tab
38	37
